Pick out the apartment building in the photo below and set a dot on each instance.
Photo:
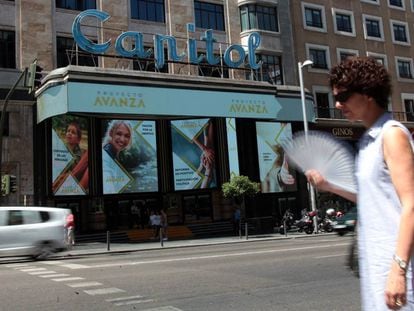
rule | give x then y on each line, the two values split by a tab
328	31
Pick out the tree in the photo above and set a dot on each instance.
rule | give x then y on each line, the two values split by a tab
237	189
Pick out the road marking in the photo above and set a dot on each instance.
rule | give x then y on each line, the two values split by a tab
328	256
41	272
53	262
73	278
73	266
16	265
166	308
123	298
53	275
33	269
103	291
132	302
84	284
133	263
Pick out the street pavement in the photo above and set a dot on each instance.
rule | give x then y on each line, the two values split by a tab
98	248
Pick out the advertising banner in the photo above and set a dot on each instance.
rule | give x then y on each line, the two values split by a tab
232	147
129	156
193	154
70	174
275	174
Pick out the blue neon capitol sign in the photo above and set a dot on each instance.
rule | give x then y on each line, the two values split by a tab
139	50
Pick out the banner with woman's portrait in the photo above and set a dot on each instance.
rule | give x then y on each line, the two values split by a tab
193	154
275	173
70	171
129	156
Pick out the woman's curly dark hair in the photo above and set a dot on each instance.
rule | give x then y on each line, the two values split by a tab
364	75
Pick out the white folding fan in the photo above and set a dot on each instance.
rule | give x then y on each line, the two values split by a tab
323	152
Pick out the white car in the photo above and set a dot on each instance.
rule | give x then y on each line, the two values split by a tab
32	231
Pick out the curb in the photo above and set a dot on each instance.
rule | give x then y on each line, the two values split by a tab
153	246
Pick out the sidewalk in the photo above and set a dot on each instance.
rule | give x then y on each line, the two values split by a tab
98	248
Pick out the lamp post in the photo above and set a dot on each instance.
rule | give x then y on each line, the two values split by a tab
305	127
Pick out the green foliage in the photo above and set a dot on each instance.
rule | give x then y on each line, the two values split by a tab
240	186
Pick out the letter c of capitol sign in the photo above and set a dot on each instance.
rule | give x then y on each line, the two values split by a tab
158	41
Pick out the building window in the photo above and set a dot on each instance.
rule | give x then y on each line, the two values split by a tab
148	64
319	55
314	17
67	54
371	1
344	22
7	49
381	58
404	67
343	54
396	3
373	28
254	16
322	103
409	109
148	10
270	71
209	15
78	5
399	32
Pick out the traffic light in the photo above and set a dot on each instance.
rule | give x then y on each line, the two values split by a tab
5	185
12	183
35	75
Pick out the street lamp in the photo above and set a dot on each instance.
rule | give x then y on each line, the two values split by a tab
305	127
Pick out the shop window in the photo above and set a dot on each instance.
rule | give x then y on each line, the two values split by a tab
78	5
197	207
255	16
148	10
7	49
67	54
209	15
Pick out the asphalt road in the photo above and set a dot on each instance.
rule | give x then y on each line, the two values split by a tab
297	274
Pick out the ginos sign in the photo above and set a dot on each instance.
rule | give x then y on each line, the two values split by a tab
139	50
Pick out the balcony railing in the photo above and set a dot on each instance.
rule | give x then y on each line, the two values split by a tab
333	113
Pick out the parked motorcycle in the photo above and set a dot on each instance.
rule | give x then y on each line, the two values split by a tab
305	224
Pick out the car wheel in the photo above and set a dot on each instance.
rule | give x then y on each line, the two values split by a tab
44	251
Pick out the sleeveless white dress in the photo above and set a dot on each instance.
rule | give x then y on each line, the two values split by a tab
378	218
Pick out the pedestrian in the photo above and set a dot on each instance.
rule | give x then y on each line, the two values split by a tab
155	220
385	179
70	230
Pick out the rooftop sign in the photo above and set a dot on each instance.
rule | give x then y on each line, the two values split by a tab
158	43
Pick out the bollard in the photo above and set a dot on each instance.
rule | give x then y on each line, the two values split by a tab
161	239
246	229
108	241
284	227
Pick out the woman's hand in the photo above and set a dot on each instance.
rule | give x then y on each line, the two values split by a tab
396	288
316	179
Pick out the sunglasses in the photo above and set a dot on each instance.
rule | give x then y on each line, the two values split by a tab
343	96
